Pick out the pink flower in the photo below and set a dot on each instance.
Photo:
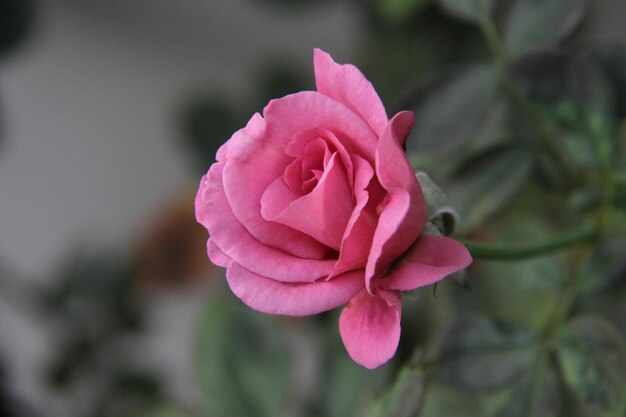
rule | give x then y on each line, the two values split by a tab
314	205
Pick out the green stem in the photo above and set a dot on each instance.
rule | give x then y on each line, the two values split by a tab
490	33
514	252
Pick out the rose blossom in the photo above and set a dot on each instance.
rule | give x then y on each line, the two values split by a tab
314	205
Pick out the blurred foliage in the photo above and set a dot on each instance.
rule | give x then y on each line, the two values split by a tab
96	305
521	122
16	20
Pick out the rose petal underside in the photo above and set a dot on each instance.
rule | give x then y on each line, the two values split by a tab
292	299
403	217
347	85
216	255
370	327
213	211
429	260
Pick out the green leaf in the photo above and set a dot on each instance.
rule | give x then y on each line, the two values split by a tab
450	113
592	358
498	353
472	10
488	182
403	399
398	11
538	24
242	362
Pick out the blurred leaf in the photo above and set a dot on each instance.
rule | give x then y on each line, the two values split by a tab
575	103
346	384
488	182
477	346
537	24
439	212
536	395
207	122
95	296
397	11
449	113
606	268
553	76
242	363
592	358
292	4
163	410
612	60
403	399
543	273
16	19
472	10
278	80
443	400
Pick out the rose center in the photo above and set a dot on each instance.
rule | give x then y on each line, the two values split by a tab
305	172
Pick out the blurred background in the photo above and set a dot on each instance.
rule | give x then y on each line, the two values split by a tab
110	111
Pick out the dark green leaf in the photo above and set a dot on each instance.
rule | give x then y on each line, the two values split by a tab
537	24
472	10
242	362
498	354
592	359
451	113
487	183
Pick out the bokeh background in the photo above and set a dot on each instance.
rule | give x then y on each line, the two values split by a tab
110	111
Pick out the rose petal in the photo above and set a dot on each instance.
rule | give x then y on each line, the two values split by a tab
429	260
288	116
357	238
214	213
251	165
370	327
347	85
298	145
404	215
322	214
216	255
292	299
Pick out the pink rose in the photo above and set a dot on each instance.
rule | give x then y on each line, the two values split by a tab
314	205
